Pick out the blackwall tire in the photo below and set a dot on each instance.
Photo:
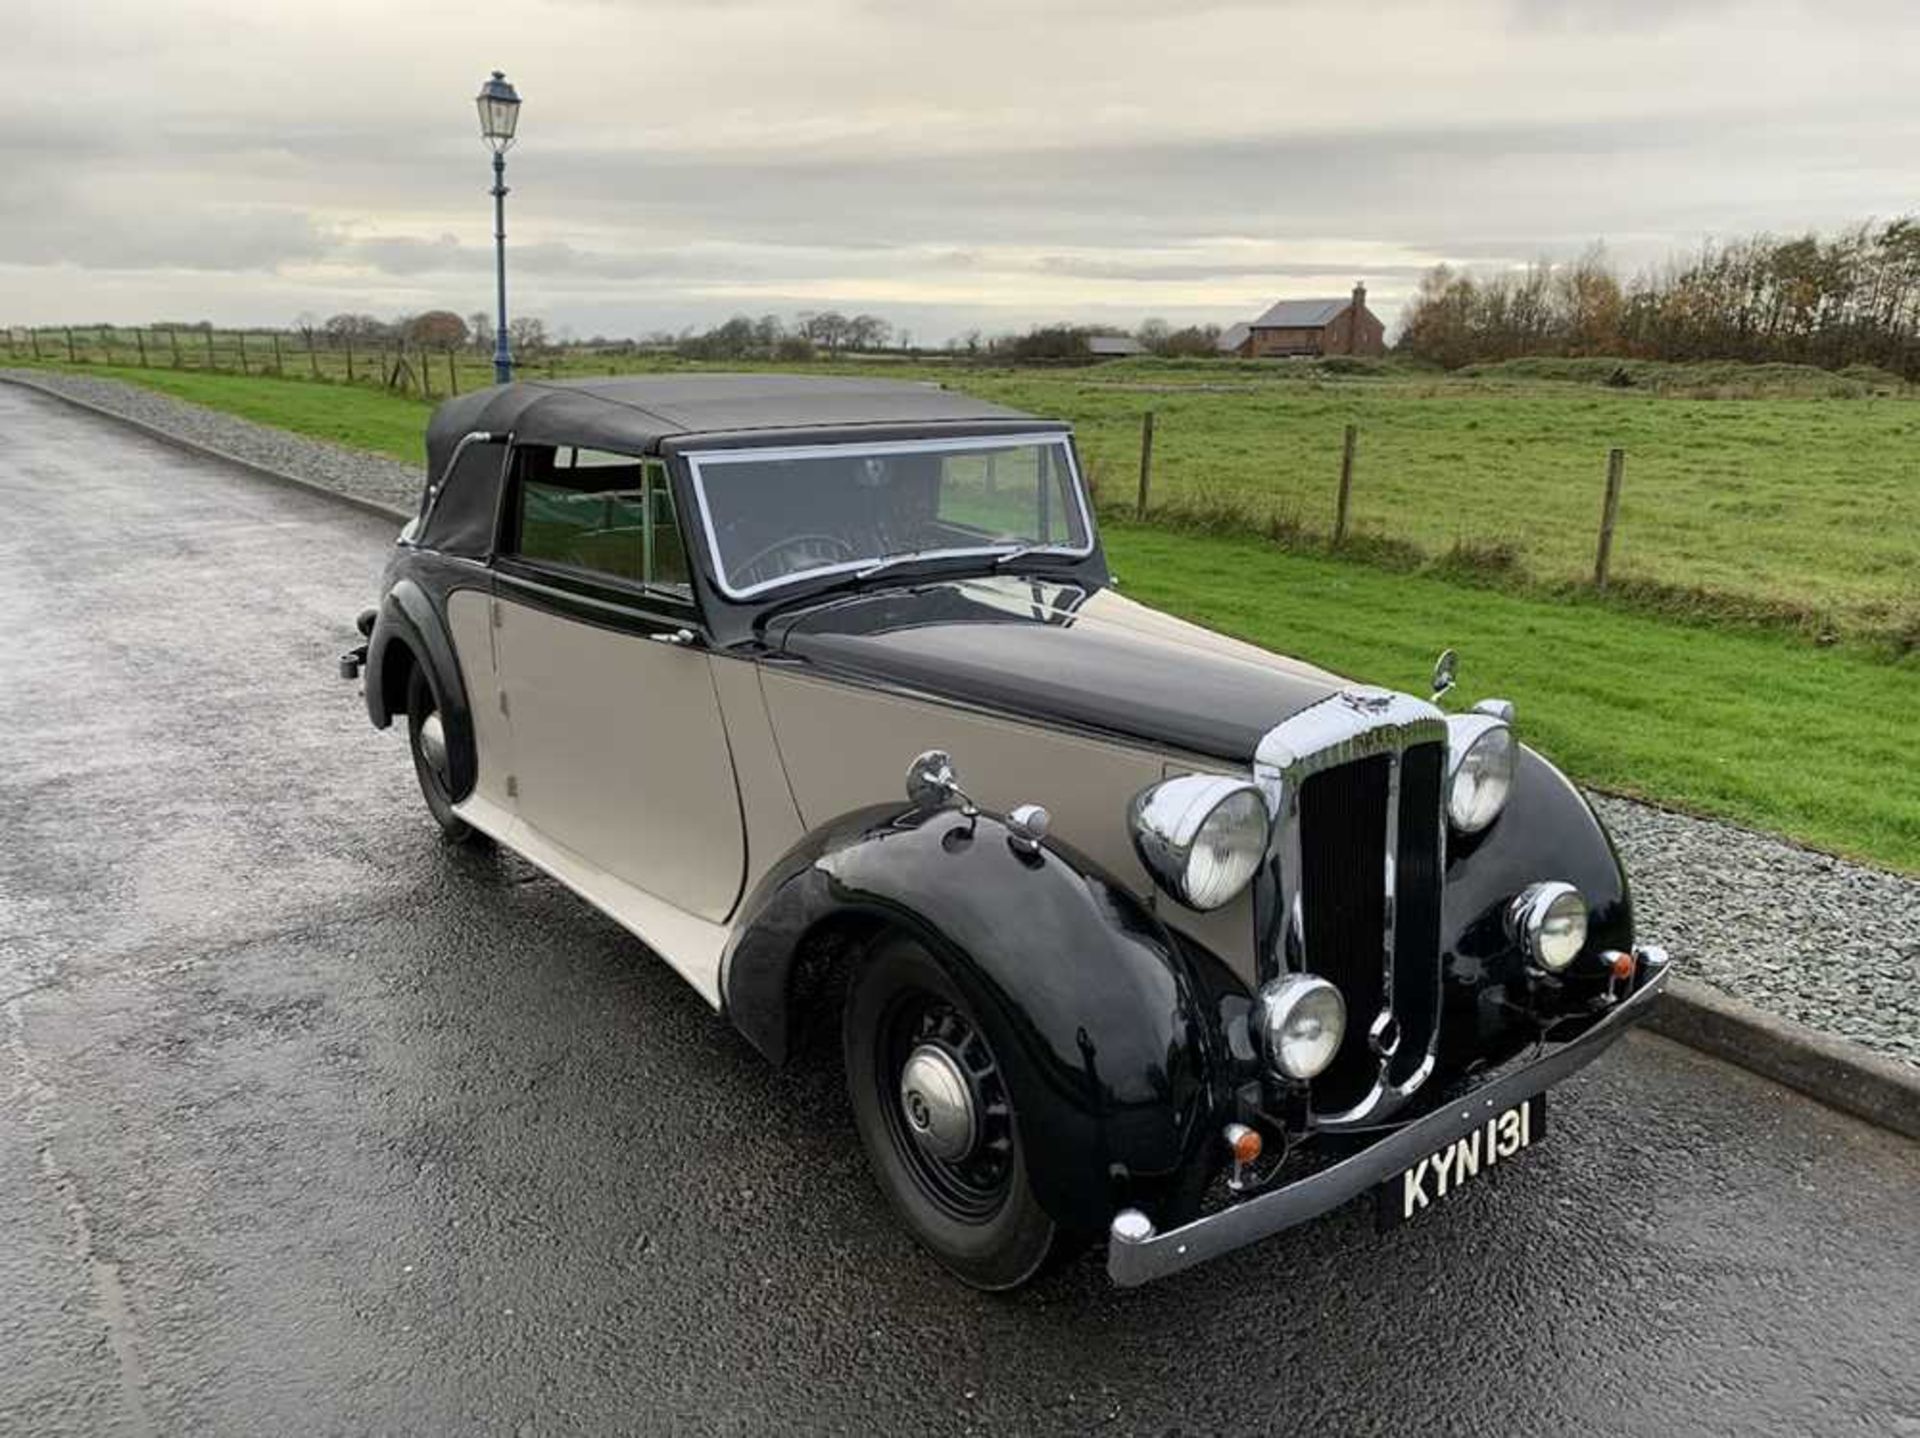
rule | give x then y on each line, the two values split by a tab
422	721
977	1214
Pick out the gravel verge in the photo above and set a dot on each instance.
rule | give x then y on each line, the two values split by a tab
1827	943
366	476
1799	935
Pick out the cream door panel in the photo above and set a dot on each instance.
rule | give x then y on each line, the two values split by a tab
621	757
470	622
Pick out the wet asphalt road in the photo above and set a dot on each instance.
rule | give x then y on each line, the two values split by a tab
309	1123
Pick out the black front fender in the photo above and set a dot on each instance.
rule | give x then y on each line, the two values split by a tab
1091	1006
407	617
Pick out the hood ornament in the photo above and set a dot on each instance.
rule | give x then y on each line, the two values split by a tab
1367	701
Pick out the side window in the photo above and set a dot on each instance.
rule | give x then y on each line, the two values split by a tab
606	514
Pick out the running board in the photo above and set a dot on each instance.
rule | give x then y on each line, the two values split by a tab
692	946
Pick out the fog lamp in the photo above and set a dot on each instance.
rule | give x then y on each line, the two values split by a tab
1550	920
1302	1021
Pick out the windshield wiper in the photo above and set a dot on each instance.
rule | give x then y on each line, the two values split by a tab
894	561
1023	551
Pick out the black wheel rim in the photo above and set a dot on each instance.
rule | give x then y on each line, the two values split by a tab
974	1187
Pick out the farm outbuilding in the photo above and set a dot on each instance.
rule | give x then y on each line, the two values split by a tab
1114	346
1310	328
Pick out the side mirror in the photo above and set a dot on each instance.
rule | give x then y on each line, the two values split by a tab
1444	670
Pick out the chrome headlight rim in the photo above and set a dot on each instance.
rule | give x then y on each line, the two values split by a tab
1287	999
1466	733
1168	820
1538	906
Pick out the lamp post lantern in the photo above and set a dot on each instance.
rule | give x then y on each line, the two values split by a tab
499	112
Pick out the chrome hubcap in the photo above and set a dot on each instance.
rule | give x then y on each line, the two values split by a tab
938	1104
433	744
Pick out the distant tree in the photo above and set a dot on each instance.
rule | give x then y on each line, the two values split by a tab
867	332
1153	335
528	335
828	329
437	329
1195	341
793	349
355	327
1045	342
480	331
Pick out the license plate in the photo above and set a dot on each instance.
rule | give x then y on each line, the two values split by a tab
1501	1139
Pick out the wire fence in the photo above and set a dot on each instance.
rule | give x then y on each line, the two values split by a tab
401	366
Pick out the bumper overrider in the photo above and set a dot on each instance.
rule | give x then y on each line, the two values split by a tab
1137	1253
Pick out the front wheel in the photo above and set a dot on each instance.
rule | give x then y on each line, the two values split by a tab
937	1120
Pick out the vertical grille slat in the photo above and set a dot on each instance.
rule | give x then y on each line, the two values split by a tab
1343	814
1418	880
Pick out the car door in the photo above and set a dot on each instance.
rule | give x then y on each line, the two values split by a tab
619	752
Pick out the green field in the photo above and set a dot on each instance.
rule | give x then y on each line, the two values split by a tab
1759	725
1792	503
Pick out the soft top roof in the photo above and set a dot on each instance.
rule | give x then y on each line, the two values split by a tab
635	413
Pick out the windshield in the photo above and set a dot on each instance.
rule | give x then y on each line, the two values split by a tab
774	516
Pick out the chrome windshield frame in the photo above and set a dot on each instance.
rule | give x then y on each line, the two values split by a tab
698	460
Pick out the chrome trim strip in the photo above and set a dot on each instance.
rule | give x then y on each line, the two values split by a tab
698	460
1137	1254
1354	724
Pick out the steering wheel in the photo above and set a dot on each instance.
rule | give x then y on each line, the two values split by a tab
814	549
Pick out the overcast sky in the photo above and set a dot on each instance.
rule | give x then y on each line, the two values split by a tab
945	163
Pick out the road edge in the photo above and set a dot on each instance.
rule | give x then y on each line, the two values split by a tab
1840	1074
208	451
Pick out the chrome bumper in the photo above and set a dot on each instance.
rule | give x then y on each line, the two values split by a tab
1137	1254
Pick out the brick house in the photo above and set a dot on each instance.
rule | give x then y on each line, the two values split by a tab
1311	328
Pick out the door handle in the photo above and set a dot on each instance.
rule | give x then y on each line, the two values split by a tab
677	636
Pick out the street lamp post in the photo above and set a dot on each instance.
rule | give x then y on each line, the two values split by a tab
499	113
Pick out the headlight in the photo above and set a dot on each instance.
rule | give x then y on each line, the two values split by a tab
1551	921
1302	1021
1201	836
1480	758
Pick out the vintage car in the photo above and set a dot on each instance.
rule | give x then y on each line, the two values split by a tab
822	688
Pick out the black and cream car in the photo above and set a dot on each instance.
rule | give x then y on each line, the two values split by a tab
1126	929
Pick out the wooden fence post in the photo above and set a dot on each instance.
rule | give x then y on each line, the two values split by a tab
313	355
1146	463
349	359
1345	507
70	358
212	361
426	372
240	338
33	340
278	372
1609	513
140	339
173	340
453	373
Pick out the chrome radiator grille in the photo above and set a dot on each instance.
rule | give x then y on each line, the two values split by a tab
1359	849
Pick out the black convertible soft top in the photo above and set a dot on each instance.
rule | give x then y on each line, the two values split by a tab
636	414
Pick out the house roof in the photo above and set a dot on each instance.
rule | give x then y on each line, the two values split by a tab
636	413
1301	314
1232	337
1114	345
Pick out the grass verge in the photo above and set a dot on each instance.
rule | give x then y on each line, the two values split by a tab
1813	743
